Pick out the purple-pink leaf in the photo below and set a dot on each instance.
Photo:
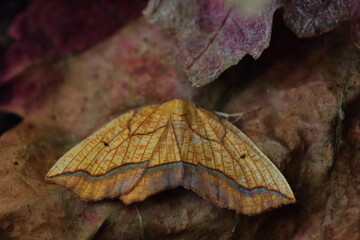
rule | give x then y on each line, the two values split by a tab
213	35
47	29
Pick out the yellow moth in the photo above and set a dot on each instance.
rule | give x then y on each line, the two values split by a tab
158	147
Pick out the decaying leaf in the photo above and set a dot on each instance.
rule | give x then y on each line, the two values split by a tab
213	36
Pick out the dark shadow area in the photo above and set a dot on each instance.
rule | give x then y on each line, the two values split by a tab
6	93
8	10
8	120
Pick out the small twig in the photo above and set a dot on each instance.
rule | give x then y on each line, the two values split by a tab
236	220
141	221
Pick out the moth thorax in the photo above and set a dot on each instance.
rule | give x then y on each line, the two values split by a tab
180	127
178	107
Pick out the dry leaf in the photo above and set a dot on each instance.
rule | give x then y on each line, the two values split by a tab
212	36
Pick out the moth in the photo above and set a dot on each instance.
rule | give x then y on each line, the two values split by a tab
159	147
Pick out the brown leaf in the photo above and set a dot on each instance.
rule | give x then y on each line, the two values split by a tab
306	97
